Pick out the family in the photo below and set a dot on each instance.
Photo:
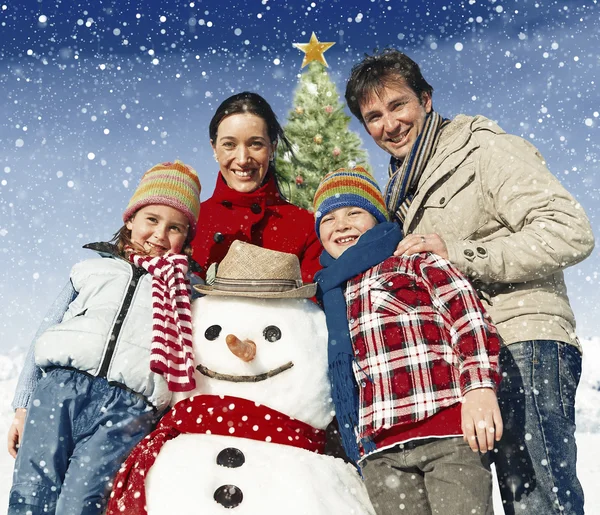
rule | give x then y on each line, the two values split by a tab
452	343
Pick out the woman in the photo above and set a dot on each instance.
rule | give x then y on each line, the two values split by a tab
247	204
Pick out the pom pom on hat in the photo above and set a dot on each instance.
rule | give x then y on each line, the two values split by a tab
345	187
169	184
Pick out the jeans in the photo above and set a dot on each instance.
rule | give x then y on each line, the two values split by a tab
439	476
537	455
78	431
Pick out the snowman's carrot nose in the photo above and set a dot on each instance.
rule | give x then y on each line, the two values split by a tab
245	350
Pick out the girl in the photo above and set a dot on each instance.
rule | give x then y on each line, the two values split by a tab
101	372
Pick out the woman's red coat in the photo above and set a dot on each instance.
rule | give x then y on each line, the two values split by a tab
262	218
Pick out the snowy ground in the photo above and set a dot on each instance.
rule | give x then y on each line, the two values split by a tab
588	422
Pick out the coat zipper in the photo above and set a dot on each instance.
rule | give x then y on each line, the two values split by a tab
137	273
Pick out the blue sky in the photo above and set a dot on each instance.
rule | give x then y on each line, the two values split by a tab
94	95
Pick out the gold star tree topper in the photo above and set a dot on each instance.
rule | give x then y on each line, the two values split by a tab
314	50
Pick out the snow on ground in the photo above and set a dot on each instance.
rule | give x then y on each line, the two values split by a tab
587	407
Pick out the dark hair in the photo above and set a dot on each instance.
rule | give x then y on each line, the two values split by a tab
253	103
382	69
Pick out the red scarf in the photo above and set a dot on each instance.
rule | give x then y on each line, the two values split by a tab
172	354
200	414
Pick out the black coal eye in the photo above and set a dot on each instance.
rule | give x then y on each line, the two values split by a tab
213	332
272	333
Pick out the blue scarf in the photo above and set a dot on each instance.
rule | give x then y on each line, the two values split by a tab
373	247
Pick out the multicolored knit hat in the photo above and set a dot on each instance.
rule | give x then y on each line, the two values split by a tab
349	188
169	184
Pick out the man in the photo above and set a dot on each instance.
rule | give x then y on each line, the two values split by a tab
484	199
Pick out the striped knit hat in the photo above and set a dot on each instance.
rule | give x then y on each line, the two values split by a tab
169	184
349	188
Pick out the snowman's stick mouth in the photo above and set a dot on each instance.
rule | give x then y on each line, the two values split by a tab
243	379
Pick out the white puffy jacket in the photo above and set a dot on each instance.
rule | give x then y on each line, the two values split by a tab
107	329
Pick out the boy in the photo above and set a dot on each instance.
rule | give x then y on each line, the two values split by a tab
413	359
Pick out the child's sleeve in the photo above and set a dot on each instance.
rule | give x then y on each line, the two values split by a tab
475	340
30	374
195	280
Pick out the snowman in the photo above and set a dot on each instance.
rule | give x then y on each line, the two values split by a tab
249	439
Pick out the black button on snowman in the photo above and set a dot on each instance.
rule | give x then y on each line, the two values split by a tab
228	496
231	457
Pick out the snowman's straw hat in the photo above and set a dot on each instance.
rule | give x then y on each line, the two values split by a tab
251	271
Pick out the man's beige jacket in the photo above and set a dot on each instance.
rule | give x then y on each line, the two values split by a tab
508	224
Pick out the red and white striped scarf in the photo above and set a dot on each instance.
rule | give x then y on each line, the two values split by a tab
172	354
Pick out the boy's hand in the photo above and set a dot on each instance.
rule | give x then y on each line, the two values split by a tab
15	432
481	419
415	243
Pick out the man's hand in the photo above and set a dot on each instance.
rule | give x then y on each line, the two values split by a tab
15	432
481	419
415	243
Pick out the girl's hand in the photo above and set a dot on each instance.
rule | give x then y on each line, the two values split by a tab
15	432
481	419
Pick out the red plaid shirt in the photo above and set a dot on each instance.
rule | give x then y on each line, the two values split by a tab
421	340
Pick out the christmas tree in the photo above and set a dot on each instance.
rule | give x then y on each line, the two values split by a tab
318	129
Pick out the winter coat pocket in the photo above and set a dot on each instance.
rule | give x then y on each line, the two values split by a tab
394	295
457	200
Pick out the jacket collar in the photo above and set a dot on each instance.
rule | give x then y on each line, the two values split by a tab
454	138
104	248
268	194
109	250
456	143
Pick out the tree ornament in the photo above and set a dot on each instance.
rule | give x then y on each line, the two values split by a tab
328	109
299	110
318	139
336	151
312	88
299	180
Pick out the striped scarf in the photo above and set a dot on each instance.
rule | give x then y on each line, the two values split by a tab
172	355
405	174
